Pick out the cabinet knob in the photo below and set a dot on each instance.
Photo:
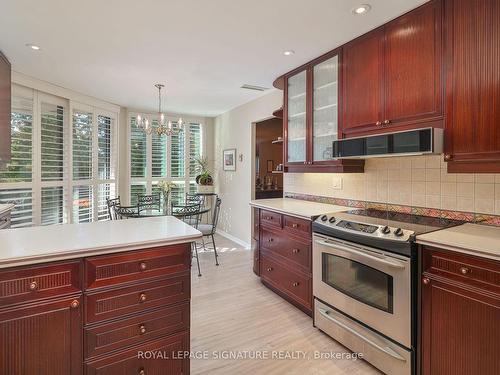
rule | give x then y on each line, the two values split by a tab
464	270
295	225
142	329
269	218
143	266
269	269
295	283
447	157
295	251
426	280
378	123
74	304
142	297
270	239
33	285
141	371
387	122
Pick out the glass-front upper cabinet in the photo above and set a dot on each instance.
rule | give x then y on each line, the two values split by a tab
325	108
297	118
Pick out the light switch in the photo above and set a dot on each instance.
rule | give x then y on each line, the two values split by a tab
337	183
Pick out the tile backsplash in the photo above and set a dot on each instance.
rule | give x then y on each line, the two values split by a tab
414	181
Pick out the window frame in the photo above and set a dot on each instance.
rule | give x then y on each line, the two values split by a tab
149	180
36	185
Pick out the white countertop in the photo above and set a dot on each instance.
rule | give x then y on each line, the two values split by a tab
473	239
297	207
6	207
49	243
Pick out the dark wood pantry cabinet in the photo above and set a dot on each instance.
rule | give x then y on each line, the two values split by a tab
392	76
460	314
473	85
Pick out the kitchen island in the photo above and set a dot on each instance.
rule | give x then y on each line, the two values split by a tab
90	298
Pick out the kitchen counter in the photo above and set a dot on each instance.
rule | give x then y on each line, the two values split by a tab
50	243
6	207
473	239
296	207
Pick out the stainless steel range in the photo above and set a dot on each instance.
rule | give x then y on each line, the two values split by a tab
364	283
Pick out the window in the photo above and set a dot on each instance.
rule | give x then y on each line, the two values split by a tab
156	158
63	167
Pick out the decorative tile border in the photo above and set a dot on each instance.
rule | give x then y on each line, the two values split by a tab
472	217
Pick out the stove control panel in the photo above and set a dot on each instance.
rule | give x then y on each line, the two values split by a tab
344	222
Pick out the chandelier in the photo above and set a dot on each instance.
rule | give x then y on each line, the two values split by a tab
162	126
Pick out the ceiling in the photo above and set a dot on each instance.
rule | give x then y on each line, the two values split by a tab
204	50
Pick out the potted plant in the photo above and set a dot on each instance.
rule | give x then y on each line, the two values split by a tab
204	178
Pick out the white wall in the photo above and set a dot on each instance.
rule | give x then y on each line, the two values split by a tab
233	129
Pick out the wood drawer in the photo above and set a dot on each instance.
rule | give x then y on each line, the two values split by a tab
136	265
137	298
297	226
477	272
295	252
135	330
30	283
270	218
138	360
293	284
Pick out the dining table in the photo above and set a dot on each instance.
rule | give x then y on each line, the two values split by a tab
151	212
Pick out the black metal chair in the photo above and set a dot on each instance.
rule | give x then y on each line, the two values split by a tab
126	212
149	202
112	204
208	230
190	214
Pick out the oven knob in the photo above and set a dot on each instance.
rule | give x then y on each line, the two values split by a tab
398	232
324	218
385	230
332	220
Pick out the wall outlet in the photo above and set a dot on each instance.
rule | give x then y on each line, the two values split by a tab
337	183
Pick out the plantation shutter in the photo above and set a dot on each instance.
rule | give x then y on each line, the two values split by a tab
138	151
195	149
177	162
82	145
159	155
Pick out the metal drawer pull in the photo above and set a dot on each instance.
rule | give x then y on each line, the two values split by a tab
464	270
382	260
268	218
295	251
270	239
142	297
294	225
295	283
33	285
426	280
143	266
142	371
269	269
386	349
142	329
75	304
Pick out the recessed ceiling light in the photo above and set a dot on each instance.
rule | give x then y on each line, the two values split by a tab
288	52
33	46
362	9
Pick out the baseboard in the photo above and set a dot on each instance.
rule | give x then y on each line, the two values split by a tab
246	245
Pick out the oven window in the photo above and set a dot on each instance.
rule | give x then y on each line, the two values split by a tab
357	280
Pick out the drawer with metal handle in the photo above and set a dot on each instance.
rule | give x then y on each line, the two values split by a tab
389	357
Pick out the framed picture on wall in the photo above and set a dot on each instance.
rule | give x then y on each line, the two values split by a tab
229	159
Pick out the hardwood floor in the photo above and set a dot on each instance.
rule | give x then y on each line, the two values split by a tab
232	311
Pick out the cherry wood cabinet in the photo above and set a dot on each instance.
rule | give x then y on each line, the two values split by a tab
472	89
311	118
393	75
5	104
285	257
94	315
43	338
460	314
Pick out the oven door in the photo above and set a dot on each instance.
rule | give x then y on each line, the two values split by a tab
367	284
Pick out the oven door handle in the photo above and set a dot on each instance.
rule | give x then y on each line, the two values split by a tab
385	349
383	260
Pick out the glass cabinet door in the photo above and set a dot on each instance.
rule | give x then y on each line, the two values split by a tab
297	126
325	108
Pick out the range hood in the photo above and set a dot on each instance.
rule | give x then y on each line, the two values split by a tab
402	143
